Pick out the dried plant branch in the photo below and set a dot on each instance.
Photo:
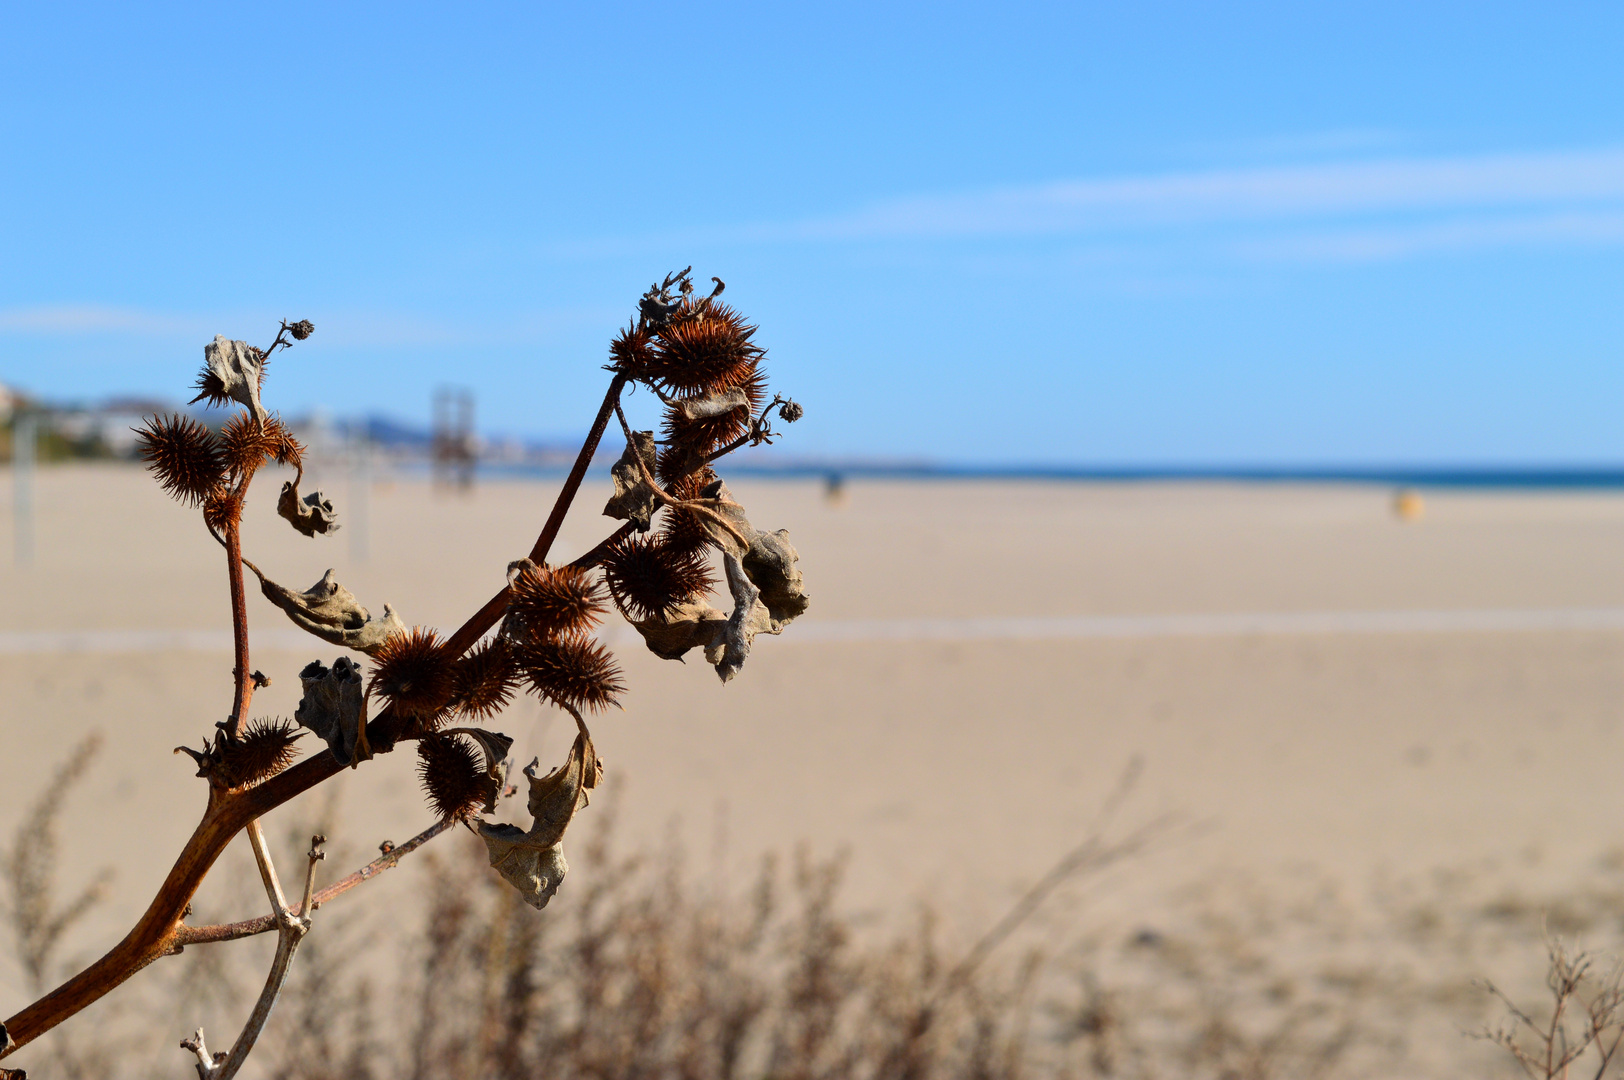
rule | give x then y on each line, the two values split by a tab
1547	1051
291	930
233	373
267	868
199	935
760	429
239	627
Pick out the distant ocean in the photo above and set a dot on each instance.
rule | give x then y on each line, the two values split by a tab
1398	476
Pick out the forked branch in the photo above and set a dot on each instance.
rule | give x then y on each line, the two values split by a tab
291	929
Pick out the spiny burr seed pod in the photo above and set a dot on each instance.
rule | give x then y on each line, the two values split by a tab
682	530
264	750
184	456
247	444
698	424
485	679
631	353
549	601
414	673
452	776
649	579
301	329
221	510
573	671
710	349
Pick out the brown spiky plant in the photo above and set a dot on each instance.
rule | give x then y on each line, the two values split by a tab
700	359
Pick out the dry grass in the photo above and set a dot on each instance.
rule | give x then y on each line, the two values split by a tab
646	968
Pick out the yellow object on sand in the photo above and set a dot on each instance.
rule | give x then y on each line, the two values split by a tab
1408	505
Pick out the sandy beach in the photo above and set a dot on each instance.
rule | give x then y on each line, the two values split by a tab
1331	694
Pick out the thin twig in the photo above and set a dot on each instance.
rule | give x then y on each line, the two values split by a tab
200	935
760	432
291	930
267	869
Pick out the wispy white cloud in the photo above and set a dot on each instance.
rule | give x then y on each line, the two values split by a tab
1379	243
1369	209
65	319
344	329
1239	195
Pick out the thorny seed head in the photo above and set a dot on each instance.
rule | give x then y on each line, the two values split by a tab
221	510
247	443
301	329
414	673
631	352
649	578
572	671
264	750
712	349
485	679
549	601
790	411
452	776
693	438
184	456
682	530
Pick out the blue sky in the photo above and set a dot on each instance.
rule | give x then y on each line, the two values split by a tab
1049	234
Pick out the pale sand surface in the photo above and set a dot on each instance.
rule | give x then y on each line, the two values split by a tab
954	770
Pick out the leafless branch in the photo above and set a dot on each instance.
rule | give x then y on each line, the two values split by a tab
291	930
198	935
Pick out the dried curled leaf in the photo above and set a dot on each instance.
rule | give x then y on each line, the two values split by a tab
533	861
634	500
770	563
710	406
749	618
694	625
331	612
767	590
232	371
310	515
730	530
335	708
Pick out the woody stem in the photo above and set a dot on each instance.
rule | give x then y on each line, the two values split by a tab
239	625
